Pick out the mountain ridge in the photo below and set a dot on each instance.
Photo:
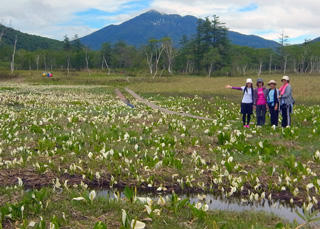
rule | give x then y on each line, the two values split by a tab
316	39
28	41
114	34
153	24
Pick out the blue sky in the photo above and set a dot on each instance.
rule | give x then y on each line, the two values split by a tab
266	18
96	18
248	8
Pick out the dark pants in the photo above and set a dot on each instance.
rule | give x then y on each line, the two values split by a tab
261	114
274	116
246	119
286	111
246	110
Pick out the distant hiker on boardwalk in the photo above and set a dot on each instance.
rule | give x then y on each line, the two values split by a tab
247	101
273	103
260	102
286	101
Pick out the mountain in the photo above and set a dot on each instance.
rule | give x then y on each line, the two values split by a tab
152	24
251	41
316	40
139	30
27	41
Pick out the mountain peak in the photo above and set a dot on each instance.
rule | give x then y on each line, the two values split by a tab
156	25
158	13
152	11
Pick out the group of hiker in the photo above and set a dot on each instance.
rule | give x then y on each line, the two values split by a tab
262	99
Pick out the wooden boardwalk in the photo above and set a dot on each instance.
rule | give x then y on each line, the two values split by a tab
164	110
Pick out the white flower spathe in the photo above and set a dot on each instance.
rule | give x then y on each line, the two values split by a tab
124	217
92	195
79	198
31	224
135	224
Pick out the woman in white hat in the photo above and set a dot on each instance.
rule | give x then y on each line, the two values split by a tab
286	101
273	102
247	101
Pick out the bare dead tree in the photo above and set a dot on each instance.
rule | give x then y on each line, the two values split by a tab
169	51
283	52
244	69
311	65
153	53
294	63
260	67
13	54
162	72
51	65
158	54
45	62
189	66
270	63
104	62
37	62
150	61
68	65
87	61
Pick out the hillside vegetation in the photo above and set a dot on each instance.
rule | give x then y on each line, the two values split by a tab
27	41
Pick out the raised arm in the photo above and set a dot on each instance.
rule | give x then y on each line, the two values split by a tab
234	88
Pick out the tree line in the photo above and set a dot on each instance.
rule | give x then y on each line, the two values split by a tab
209	52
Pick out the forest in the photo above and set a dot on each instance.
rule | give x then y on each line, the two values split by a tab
209	53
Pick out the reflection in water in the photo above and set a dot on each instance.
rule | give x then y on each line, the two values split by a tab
276	208
216	203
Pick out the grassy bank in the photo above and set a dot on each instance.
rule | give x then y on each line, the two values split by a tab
74	208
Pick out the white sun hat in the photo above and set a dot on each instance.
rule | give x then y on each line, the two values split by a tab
249	81
285	78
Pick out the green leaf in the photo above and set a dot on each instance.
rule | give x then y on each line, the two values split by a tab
100	225
279	226
128	193
182	203
300	215
314	220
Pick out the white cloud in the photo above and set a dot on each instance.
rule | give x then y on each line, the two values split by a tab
120	18
50	17
294	17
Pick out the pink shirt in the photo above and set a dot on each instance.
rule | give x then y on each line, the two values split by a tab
261	99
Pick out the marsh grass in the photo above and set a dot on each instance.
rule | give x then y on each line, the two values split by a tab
305	87
82	115
65	212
